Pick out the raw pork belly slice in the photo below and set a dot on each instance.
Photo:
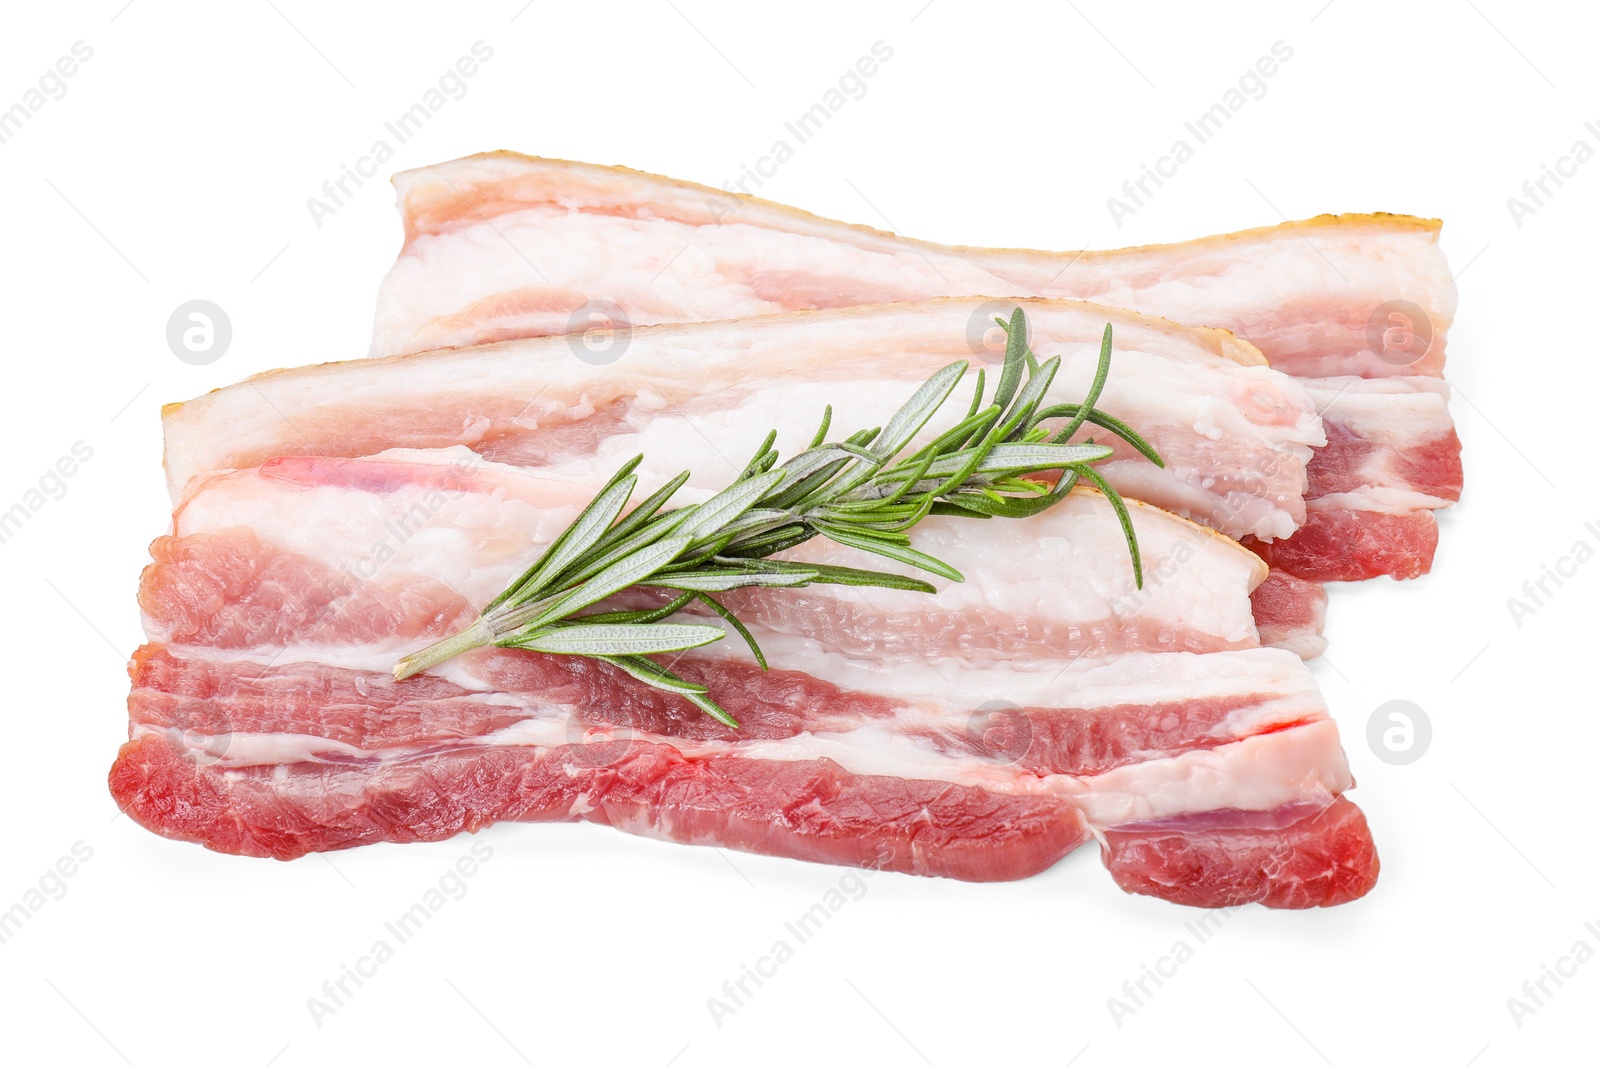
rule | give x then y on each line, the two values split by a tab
805	810
1234	433
297	755
504	246
374	532
413	542
264	722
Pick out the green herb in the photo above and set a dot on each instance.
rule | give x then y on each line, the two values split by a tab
857	492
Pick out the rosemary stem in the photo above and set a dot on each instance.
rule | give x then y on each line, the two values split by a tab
502	620
474	636
860	493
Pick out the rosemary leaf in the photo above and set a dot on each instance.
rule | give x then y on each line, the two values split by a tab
738	626
616	639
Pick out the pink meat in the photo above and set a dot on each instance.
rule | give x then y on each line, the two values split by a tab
1429	465
1294	857
1350	545
226	589
1290	613
417	767
1354	528
373	713
803	810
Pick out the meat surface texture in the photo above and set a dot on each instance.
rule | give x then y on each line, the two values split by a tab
503	246
509	405
1234	434
264	720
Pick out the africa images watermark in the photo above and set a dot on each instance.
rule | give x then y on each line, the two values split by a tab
1538	591
450	886
424	507
1232	508
50	485
1538	991
451	85
1251	85
50	886
1137	992
737	991
1537	192
51	85
850	85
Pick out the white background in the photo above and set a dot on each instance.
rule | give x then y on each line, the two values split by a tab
177	166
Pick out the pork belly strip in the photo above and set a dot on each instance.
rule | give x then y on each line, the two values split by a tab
293	585
1235	434
1127	739
414	543
501	246
804	810
292	755
1135	737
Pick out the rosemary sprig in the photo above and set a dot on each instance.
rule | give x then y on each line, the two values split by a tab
858	492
